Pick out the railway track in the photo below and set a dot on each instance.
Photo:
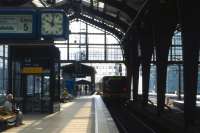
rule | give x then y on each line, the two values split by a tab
126	121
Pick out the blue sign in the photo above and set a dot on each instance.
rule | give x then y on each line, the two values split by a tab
69	84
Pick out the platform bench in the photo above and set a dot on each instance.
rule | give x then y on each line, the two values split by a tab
6	121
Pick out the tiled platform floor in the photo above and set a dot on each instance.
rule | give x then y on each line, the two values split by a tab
75	117
86	114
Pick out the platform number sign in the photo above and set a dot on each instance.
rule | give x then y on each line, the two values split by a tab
16	23
34	24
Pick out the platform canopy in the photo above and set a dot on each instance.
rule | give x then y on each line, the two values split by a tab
78	70
85	82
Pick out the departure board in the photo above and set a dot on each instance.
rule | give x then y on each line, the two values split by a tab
16	23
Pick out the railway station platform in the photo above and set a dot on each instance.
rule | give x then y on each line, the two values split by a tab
86	114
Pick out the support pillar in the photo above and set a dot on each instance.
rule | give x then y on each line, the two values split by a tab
128	58
135	79
190	35
147	50
190	55
135	63
129	65
145	82
165	21
161	59
129	76
52	86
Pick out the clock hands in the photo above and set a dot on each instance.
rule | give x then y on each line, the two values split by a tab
48	21
53	20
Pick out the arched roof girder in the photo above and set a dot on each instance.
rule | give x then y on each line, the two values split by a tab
121	6
120	24
98	24
77	8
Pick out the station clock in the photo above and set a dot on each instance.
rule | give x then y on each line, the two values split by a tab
53	24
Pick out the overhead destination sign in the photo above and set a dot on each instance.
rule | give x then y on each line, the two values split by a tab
16	23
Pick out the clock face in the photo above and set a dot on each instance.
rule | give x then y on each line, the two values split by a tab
52	24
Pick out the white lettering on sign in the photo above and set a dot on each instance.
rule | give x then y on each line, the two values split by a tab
16	23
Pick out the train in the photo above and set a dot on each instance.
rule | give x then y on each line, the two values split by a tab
114	87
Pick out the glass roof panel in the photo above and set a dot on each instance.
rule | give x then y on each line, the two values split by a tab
37	3
101	5
95	3
86	1
58	1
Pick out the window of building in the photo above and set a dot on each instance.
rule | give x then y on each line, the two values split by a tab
176	49
96	52
114	52
3	68
89	42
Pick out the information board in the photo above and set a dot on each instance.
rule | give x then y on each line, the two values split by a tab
16	23
32	70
